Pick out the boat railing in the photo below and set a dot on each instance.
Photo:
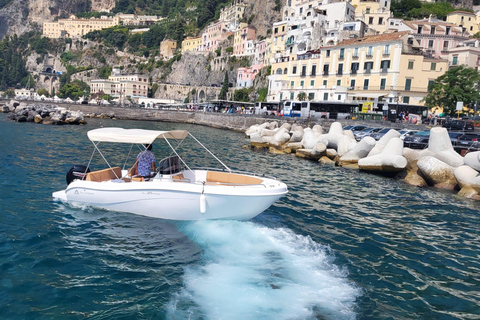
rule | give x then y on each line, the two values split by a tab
236	171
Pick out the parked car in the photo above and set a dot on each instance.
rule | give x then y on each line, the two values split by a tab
454	137
459	125
468	140
378	135
407	132
417	141
365	132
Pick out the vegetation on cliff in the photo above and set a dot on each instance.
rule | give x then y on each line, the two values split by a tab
414	9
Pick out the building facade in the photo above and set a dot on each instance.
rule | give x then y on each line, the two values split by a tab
121	85
168	48
74	27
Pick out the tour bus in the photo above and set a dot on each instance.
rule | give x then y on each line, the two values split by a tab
292	108
267	108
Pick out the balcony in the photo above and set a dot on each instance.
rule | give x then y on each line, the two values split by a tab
341	57
367	71
369	55
355	56
353	72
339	72
303	74
325	73
386	53
313	74
384	70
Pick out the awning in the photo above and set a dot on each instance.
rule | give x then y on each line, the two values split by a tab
121	135
367	95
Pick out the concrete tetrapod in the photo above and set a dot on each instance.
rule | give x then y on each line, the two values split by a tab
361	150
437	173
469	182
392	133
440	144
472	159
337	140
391	160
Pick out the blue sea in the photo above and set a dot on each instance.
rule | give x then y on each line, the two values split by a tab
341	245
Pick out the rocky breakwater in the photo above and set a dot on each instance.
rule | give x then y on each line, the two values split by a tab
438	166
45	114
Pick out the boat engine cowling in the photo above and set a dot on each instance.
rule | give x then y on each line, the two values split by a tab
77	172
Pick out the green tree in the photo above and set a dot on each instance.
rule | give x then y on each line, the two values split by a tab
457	84
302	96
241	95
223	92
43	91
401	8
9	93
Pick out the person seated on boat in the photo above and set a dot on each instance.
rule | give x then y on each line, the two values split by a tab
145	163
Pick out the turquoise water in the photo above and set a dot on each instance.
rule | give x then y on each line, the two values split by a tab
340	245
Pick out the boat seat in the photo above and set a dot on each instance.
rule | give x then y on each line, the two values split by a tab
214	177
104	175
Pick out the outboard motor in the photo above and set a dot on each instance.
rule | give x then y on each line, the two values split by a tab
78	171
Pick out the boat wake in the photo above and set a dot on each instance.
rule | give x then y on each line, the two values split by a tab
254	272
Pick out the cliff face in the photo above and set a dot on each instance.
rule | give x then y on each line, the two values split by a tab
26	15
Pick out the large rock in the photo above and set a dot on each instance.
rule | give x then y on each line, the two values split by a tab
437	173
380	145
297	136
358	152
469	182
412	175
309	139
389	161
441	145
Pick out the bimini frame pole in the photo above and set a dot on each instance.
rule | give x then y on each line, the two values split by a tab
108	164
175	151
229	170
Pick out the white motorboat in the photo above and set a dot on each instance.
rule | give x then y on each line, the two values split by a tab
175	191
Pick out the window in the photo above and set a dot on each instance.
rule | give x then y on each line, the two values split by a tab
406	99
365	84
312	83
420	29
311	96
367	10
285	71
432	30
386	49
302	83
355	53
339	82
368	66
455	60
384	65
275	31
294	70
383	83
433	66
445	45
380	20
291	95
430	85
430	44
279	71
354	68
324	82
370	51
447	31
340	69
292	84
352	84
408	84
370	20
325	70
342	53
410	65
304	71
314	70
325	96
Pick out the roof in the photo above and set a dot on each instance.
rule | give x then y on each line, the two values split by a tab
461	12
121	135
374	39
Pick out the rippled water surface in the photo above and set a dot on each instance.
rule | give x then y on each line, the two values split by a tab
340	245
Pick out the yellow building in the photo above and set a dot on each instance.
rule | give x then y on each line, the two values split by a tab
73	27
383	66
168	48
121	85
192	44
467	20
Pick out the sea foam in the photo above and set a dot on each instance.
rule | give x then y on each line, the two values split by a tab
254	272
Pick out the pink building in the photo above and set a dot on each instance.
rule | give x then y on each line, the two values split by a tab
260	51
434	36
242	36
213	35
245	76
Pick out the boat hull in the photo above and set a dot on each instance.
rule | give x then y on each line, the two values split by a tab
176	201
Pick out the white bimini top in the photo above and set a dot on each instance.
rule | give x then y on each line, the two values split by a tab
142	136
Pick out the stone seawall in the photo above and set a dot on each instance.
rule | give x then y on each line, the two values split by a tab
217	120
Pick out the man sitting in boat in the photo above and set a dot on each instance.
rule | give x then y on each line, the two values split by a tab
145	163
